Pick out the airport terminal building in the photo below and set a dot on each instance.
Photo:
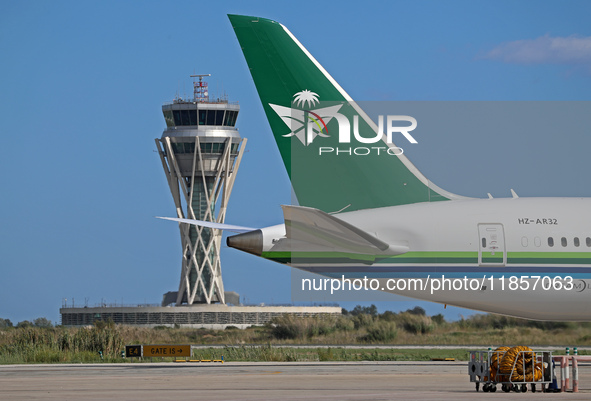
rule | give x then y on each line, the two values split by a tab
215	316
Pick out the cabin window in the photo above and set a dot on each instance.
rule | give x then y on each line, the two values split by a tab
563	241
537	241
588	241
550	241
576	241
483	243
524	242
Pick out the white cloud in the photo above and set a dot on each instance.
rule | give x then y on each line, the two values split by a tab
573	50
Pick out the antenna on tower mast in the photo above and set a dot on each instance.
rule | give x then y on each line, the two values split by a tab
200	91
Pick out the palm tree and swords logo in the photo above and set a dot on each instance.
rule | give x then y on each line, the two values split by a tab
305	122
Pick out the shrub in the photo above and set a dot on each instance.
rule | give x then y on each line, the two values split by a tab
287	327
294	327
438	319
388	316
42	322
381	332
360	321
344	323
365	310
417	310
415	324
5	323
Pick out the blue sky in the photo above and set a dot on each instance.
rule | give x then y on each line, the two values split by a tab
82	84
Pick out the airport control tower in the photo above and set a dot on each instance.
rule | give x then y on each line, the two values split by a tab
200	151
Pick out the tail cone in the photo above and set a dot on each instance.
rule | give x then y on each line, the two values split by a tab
251	242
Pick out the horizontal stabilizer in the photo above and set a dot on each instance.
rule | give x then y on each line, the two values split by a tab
210	224
321	229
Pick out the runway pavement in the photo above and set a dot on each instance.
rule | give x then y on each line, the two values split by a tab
255	381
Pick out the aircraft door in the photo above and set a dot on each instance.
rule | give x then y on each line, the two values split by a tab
491	245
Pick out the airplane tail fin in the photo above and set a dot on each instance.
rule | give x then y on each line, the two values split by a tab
310	116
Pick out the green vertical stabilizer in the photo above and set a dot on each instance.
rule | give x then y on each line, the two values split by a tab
289	80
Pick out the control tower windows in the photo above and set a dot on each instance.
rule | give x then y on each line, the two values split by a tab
210	117
168	118
192	117
187	147
186	117
230	119
200	117
206	147
227	117
218	116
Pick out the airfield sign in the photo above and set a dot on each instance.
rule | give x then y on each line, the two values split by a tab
133	351
166	350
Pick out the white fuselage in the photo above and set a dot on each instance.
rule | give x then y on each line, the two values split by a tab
514	237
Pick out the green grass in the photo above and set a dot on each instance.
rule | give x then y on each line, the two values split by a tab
269	353
85	345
